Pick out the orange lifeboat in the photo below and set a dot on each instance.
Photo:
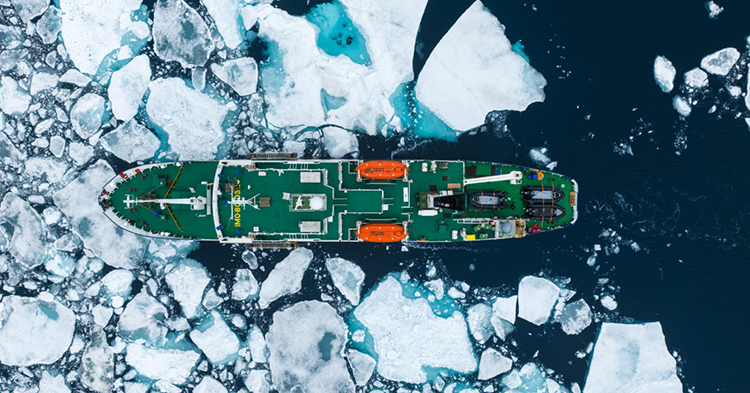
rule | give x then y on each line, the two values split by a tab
382	233
382	169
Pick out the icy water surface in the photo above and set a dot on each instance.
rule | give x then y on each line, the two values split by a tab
644	104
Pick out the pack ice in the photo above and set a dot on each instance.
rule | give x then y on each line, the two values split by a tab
34	330
408	337
473	71
632	358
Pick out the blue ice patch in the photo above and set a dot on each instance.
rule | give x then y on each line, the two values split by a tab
519	49
337	34
331	102
416	118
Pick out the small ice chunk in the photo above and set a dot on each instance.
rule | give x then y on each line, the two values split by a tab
250	259
73	76
188	280
241	74
86	115
256	342
24	232
198	78
34	330
257	381
631	358
245	285
575	317
286	276
53	383
217	341
493	363
347	276
131	142
696	78
408	336
306	342
170	365
13	100
80	153
539	156
29	9
226	15
118	282
97	363
127	86
504	315
101	314
191	120
734	91
536	298
362	366
478	318
473	70
42	81
681	105
608	302
340	142
143	319
713	9
92	29
180	34
720	62
209	385
664	73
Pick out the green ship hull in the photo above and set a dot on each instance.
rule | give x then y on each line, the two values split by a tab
280	201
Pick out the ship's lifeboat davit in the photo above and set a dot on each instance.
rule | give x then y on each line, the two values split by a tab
382	169
382	233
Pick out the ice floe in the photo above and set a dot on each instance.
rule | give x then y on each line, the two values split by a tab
143	319
216	339
240	74
575	317
682	106
192	120
49	25
245	285
536	299
479	318
127	86
362	366
226	15
473	70
696	78
78	201
407	335
286	277
97	363
42	81
629	358
188	280
131	142
29	9
13	99
34	330
347	276
340	142
180	34
492	363
23	230
86	115
52	383
170	365
91	29
306	342
504	315
720	62
209	385
713	9
664	73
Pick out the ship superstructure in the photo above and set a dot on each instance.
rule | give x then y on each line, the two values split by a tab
279	201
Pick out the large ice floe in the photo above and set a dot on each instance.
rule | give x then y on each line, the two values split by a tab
127	86
720	62
347	276
286	277
34	330
409	338
180	34
23	230
241	74
632	358
216	339
536	298
473	70
187	280
131	142
226	16
169	365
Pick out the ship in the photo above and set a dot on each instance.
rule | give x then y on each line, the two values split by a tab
275	200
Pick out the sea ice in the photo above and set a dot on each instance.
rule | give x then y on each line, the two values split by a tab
24	231
73	76
34	330
240	74
539	156
170	365
188	280
257	381
681	105
118	282
91	29
473	70
696	78
13	99
747	90
127	86
478	317
347	276
101	314
42	81
257	345
192	120
216	339
408	336
245	285
180	34
608	302
49	25
143	319
209	385
29	9
575	317
362	366
536	298
720	62
306	342
226	15
631	358
97	363
78	201
286	276
504	315
664	73
86	115
713	9
131	142
493	363
340	142
50	383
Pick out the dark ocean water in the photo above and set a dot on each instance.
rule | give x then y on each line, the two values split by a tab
688	212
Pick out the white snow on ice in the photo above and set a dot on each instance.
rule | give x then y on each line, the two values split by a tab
86	115
575	317
240	74
720	62
226	15
170	365
493	363
131	142
347	276
127	86
286	277
536	298
188	280
143	319
664	73
696	78
27	241
362	366
180	34
216	339
682	106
